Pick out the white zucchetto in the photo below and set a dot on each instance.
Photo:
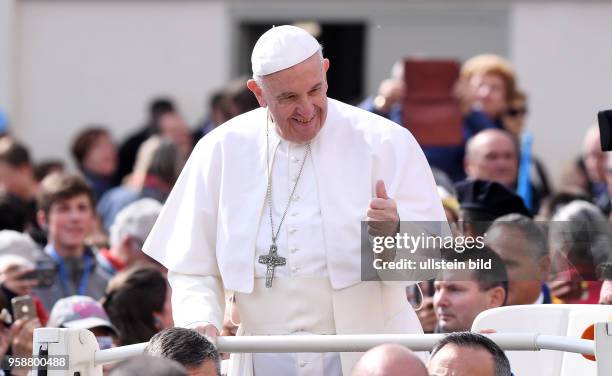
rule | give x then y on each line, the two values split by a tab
280	48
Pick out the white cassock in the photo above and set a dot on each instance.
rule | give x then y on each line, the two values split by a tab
215	224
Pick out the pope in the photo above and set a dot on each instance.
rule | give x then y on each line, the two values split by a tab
269	208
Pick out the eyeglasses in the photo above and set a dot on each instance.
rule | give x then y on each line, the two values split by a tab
514	112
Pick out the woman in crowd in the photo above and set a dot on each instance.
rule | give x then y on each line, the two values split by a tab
137	302
96	156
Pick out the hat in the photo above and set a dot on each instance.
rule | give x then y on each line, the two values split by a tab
490	198
79	312
282	47
19	244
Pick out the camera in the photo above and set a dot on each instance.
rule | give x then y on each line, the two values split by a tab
604	118
44	273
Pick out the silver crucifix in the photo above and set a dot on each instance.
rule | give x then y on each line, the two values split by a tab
272	260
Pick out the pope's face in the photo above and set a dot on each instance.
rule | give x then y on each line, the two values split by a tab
296	98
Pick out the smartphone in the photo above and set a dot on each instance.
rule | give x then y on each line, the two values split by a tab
23	307
44	273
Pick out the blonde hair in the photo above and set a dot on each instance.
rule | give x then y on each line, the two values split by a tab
490	64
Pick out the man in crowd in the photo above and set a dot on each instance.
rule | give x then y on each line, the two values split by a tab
148	365
470	354
460	295
481	202
270	206
66	211
389	360
492	155
129	231
129	148
524	249
187	347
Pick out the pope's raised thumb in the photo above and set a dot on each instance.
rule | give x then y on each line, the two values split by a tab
381	190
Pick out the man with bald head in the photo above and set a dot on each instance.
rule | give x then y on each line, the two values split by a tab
389	360
270	205
492	155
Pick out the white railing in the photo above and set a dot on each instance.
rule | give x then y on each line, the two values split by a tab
84	356
361	343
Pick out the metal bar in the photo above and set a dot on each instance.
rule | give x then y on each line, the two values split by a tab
118	353
358	343
361	342
567	344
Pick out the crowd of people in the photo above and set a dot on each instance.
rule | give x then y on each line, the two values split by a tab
72	240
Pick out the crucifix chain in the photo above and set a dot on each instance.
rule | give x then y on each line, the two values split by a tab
272	260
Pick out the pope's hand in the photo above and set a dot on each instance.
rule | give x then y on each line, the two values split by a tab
383	219
209	330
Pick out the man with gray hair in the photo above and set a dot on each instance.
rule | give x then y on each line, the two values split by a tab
127	234
466	353
148	365
389	360
523	247
188	347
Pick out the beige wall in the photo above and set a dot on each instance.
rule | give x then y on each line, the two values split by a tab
563	57
7	38
101	61
66	63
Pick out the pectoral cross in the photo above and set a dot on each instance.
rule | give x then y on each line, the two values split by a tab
272	260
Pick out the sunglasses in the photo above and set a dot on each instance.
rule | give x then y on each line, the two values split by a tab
514	112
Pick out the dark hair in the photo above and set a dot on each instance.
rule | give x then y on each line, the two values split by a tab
475	340
148	365
131	298
60	186
160	106
47	167
14	153
486	278
84	141
478	220
13	213
186	346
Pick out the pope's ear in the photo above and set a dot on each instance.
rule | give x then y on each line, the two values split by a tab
325	65
256	89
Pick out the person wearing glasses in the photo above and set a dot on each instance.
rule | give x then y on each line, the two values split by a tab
533	183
